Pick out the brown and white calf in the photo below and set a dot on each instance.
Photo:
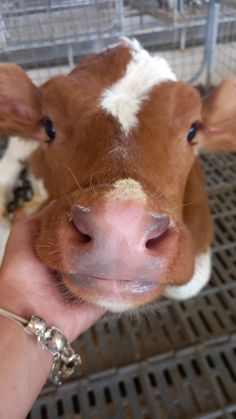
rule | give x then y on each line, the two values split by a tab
115	147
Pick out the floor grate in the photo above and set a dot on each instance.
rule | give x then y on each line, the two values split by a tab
194	383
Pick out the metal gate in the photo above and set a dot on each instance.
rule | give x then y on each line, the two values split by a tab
50	36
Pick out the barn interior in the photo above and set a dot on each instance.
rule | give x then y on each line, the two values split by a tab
179	361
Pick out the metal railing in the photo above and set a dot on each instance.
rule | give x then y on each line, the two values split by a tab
46	33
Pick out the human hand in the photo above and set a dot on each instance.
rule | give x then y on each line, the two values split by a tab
28	287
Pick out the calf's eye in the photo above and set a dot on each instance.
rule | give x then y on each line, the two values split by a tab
50	130
192	132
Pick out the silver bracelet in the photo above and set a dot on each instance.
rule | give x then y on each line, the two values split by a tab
64	357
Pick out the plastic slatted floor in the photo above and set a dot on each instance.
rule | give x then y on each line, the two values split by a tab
177	364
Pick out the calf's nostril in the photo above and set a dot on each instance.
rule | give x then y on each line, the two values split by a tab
80	217
160	225
84	238
82	235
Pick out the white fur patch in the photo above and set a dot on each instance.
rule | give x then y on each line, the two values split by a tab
124	98
11	165
4	233
40	195
114	307
17	151
39	188
127	189
199	280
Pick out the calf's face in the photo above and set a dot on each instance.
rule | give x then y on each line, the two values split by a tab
118	143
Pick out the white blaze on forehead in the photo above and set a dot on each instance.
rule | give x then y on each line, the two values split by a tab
127	189
124	98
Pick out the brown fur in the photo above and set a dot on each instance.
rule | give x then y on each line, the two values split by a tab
219	118
91	152
20	102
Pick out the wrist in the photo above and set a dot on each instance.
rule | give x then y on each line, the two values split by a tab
23	305
52	339
25	346
25	367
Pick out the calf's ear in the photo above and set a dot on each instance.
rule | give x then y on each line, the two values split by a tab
20	103
219	118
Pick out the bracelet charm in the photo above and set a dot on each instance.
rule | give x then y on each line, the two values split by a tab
65	359
36	326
